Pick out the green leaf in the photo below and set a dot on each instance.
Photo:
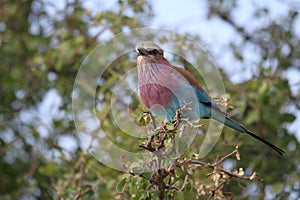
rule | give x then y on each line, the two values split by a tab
134	165
180	196
253	117
263	88
50	169
132	188
121	185
182	146
143	119
170	126
148	175
289	117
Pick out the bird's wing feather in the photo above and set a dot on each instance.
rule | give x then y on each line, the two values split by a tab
202	94
190	77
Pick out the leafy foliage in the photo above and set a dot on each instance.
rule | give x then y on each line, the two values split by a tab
41	48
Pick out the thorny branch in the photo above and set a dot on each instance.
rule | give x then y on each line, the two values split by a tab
166	130
219	176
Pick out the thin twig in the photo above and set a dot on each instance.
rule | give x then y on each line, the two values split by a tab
213	192
153	120
146	190
185	182
224	158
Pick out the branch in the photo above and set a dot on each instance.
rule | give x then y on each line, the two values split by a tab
161	178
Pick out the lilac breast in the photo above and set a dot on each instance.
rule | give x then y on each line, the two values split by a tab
153	94
154	84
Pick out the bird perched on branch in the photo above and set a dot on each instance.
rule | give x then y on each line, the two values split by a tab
164	88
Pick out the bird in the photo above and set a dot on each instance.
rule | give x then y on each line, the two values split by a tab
163	88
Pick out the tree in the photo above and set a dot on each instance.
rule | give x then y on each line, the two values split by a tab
42	47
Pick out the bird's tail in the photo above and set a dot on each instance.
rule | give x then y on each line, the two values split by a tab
220	117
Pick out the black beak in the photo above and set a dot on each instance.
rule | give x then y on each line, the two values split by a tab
142	52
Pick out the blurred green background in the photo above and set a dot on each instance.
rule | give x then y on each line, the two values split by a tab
42	44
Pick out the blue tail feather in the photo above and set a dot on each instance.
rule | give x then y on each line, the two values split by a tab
220	117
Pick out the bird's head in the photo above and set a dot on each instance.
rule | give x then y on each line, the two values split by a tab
148	49
149	52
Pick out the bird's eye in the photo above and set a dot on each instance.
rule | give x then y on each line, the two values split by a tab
153	52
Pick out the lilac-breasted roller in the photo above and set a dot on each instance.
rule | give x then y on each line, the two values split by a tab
165	88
